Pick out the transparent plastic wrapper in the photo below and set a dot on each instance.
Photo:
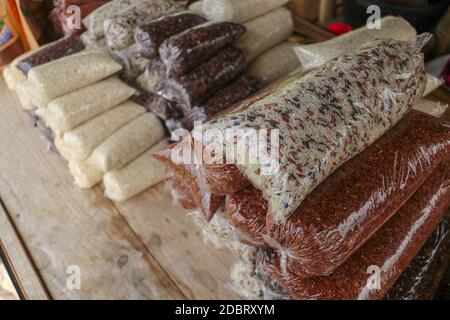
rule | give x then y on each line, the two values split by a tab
221	235
274	63
435	108
70	110
204	81
421	278
82	140
154	76
344	108
118	30
189	49
266	32
56	50
432	84
137	176
133	63
232	93
94	21
179	123
370	188
149	37
48	82
373	269
13	75
238	10
314	55
206	202
127	143
166	109
247	212
180	191
92	42
245	281
46	131
272	288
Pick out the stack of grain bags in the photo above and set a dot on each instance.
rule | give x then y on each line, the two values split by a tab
239	224
193	69
75	96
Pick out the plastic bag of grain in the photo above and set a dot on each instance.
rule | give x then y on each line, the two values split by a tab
314	55
68	74
238	10
118	30
274	63
265	32
94	21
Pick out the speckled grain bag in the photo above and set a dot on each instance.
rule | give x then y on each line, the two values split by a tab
323	119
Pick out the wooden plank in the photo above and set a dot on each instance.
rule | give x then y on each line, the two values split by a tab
313	31
65	226
17	258
202	272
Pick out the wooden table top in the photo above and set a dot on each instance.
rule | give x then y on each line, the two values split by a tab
50	230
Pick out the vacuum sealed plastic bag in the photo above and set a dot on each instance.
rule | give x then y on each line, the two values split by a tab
360	196
94	21
127	143
265	32
72	109
234	92
323	119
82	140
137	176
207	202
51	80
421	278
133	63
150	36
238	10
314	55
274	63
154	76
58	49
204	81
373	269
118	30
192	47
247	212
